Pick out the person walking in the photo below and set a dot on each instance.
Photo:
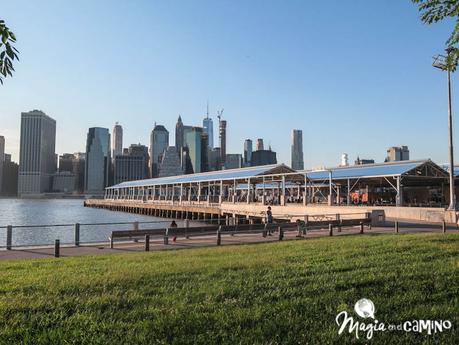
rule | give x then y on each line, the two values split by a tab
174	225
269	219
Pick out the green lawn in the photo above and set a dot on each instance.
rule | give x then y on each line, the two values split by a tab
284	292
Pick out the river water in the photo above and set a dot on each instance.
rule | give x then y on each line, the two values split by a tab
23	212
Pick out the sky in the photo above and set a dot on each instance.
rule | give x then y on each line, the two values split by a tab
354	75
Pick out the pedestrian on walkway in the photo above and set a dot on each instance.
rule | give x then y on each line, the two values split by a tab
269	219
173	225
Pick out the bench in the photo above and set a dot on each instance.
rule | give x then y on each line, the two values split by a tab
133	234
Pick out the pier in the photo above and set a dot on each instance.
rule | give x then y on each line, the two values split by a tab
400	190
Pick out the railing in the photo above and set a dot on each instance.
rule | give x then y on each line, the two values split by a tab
75	233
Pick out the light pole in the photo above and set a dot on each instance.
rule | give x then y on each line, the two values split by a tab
440	61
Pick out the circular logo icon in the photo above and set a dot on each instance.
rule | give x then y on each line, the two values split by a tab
365	308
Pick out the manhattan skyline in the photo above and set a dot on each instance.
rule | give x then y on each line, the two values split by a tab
355	77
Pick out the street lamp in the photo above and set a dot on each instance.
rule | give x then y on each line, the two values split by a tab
440	61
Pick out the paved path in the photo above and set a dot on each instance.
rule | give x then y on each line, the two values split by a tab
204	241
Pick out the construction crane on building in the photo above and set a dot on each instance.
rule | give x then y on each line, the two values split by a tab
219	115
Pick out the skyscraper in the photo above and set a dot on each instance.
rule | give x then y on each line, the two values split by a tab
233	161
78	169
204	151
395	154
37	157
159	141
97	165
179	133
260	146
66	162
193	140
247	152
297	149
263	157
117	143
2	159
10	177
133	165
171	163
222	135
208	126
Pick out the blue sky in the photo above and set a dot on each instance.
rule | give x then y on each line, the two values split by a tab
354	75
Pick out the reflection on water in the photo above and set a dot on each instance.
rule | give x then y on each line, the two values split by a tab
18	212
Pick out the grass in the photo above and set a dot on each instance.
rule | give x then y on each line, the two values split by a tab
285	292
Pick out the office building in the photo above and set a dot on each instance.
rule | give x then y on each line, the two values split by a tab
263	157
204	151
185	160
180	131
64	182
98	160
247	152
117	140
132	164
359	161
78	168
66	162
37	156
260	146
395	154
208	126
233	161
222	136
214	159
297	149
2	159
171	163
159	141
193	141
10	172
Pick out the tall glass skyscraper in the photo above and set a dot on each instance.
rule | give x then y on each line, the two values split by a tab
98	159
193	140
208	126
159	141
37	156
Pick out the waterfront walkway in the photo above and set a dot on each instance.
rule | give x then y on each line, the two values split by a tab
204	241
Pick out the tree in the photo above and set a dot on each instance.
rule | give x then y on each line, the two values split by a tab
8	53
433	11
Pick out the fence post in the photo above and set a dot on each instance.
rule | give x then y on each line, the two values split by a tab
77	234
306	226
9	237
361	227
396	227
147	243
186	223
338	218
281	234
56	248
443	227
166	236
219	236
265	232
330	229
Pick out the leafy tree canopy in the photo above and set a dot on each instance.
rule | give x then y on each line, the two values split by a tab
433	11
8	52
